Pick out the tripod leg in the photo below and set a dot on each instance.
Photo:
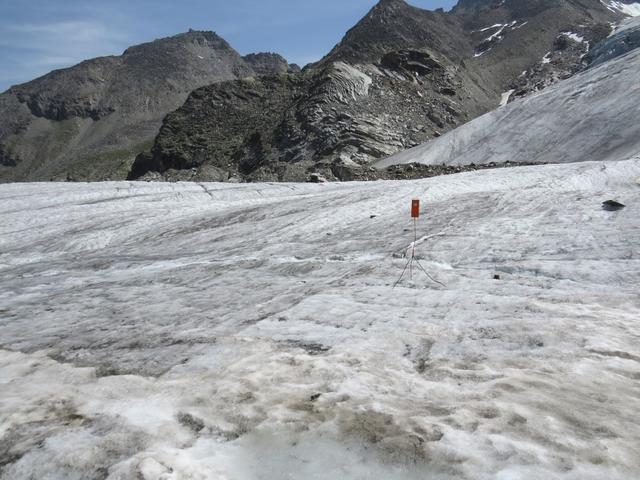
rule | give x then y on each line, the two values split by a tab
411	269
427	274
403	272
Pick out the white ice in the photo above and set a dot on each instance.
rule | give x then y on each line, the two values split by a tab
631	9
498	33
479	54
185	331
574	36
497	25
505	97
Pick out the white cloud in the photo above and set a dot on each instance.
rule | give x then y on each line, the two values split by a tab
65	39
36	48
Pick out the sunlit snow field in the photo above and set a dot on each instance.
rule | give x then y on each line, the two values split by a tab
218	331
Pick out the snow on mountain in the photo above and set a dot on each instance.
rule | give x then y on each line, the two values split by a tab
590	116
505	97
627	24
625	38
631	8
192	331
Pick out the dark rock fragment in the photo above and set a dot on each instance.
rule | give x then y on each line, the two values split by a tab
612	205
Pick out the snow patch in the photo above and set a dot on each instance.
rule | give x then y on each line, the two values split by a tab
574	36
505	97
497	25
626	24
498	34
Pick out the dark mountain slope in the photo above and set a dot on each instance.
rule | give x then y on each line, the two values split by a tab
90	121
527	46
400	77
393	25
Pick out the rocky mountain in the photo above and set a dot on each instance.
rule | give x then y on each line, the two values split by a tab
90	121
590	117
400	77
268	63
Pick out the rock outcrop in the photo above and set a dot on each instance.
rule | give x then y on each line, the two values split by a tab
268	63
89	122
400	77
591	116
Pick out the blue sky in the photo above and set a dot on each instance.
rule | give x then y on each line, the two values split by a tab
37	36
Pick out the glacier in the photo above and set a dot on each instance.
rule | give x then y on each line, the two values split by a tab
252	331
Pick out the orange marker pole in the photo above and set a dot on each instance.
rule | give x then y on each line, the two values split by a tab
415	214
415	209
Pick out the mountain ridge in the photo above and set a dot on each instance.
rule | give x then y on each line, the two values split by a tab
89	121
401	76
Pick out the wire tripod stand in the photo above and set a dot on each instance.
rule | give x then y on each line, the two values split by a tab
413	259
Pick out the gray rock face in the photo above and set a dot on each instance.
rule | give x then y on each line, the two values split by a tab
334	119
90	121
401	76
96	88
565	58
270	64
528	46
395	25
230	123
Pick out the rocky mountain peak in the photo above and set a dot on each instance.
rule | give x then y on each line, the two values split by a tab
470	6
269	63
400	76
96	116
206	39
395	25
388	6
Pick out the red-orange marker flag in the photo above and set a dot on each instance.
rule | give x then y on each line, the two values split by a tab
415	209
